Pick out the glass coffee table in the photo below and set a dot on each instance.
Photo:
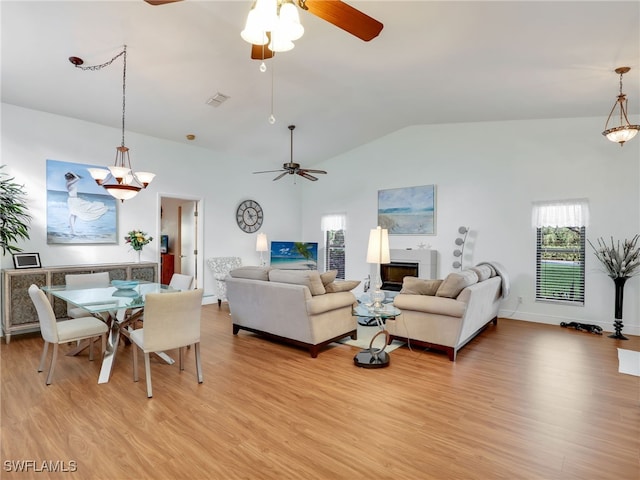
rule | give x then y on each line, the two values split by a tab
374	357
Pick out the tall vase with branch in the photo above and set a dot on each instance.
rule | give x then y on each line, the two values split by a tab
621	261
137	239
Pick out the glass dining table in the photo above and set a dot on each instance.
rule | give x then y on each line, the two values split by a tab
120	307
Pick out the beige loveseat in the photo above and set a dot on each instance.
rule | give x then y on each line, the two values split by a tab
300	307
446	314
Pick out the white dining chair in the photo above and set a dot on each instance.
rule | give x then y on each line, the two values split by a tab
180	281
171	320
84	280
55	332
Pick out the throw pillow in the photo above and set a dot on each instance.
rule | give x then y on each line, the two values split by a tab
328	277
251	273
483	272
420	286
309	278
342	286
456	282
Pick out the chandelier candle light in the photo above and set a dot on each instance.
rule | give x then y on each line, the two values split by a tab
119	180
624	131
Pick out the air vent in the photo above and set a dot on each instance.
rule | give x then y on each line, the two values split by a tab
218	99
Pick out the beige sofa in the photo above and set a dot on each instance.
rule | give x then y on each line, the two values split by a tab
446	314
300	307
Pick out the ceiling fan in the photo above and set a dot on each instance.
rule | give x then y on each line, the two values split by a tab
292	168
336	12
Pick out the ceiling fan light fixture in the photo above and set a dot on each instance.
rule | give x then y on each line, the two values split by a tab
280	43
624	131
253	32
289	21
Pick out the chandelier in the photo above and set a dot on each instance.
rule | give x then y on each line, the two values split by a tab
119	180
273	22
624	131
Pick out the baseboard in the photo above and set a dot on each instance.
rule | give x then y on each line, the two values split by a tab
556	320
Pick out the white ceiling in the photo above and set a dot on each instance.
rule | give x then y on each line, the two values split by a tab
434	62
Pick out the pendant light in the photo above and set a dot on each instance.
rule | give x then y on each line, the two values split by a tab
624	131
119	180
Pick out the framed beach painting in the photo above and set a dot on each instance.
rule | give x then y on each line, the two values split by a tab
294	255
79	211
408	210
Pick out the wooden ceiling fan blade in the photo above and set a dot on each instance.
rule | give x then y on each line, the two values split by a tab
160	2
345	17
271	171
310	170
261	52
304	174
280	176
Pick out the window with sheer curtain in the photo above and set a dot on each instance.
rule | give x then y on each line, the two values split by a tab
560	250
334	228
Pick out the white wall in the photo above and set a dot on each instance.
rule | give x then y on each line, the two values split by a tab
486	176
31	137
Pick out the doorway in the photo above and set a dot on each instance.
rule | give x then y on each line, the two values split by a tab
180	222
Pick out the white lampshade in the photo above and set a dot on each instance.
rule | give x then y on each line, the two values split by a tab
119	173
145	177
98	174
122	192
378	250
289	23
622	134
262	245
254	32
279	42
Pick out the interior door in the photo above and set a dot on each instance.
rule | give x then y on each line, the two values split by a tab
188	238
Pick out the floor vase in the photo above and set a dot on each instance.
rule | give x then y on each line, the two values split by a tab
617	324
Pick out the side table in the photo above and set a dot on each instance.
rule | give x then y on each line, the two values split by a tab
374	357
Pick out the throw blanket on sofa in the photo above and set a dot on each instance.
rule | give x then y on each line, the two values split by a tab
502	273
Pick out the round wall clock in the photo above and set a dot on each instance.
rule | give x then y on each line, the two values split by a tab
249	216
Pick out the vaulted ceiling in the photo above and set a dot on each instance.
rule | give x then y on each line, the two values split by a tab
434	62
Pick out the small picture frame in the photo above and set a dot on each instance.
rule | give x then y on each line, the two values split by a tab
26	260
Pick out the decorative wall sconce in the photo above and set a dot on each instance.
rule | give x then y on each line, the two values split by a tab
459	251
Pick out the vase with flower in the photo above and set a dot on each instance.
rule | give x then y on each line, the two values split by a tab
137	239
621	261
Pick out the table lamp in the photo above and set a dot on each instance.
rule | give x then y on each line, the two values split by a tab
262	245
378	253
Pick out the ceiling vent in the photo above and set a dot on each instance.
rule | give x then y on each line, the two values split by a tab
218	99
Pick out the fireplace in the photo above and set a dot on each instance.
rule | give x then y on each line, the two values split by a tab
392	274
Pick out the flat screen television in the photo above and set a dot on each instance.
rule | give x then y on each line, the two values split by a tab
294	255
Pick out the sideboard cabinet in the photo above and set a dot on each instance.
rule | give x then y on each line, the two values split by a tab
18	312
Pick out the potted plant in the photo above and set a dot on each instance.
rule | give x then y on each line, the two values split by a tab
14	219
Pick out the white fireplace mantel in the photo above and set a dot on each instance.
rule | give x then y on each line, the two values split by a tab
425	258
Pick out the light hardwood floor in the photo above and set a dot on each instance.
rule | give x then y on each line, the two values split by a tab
522	401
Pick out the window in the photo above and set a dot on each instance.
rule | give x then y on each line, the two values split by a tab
334	228
560	250
560	264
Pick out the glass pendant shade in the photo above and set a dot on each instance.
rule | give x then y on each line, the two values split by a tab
254	32
98	174
624	131
145	178
279	42
289	23
122	192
